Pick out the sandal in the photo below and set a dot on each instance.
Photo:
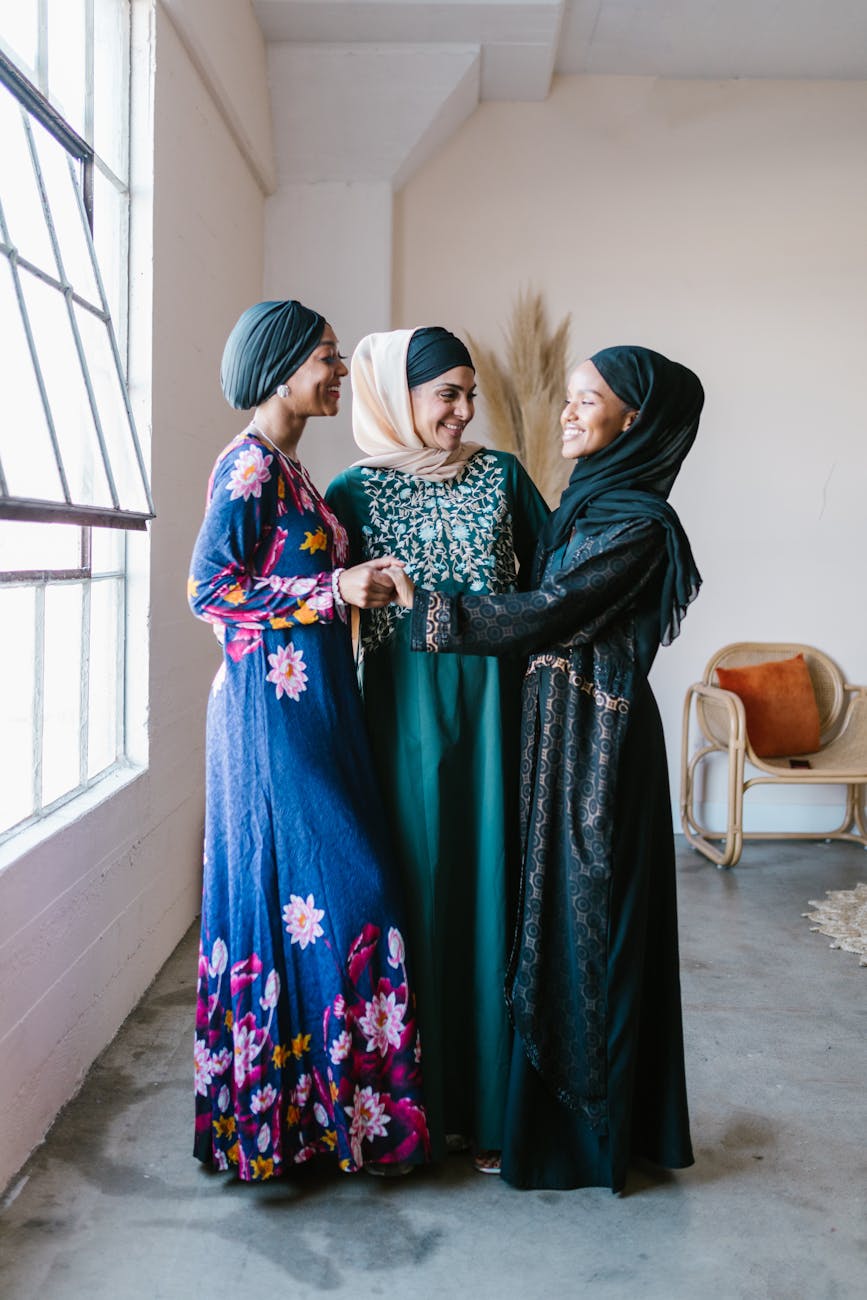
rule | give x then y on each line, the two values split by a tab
383	1170
487	1162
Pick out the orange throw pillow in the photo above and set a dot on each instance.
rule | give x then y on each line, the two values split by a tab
780	706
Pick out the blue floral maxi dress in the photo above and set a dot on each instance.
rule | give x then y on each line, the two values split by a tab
306	1042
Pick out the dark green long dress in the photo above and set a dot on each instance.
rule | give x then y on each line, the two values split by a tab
444	734
597	1075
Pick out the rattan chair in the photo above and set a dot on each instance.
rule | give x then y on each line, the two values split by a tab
719	718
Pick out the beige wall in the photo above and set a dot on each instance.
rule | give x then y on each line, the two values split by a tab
91	912
722	223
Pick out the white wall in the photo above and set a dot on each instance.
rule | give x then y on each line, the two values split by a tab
723	224
91	913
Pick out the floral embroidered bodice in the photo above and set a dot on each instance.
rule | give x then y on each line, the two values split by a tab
452	536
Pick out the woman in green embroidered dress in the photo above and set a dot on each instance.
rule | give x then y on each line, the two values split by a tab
462	518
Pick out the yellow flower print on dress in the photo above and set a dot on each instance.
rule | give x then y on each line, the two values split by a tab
304	614
314	542
300	1045
281	1055
235	595
262	1168
225	1125
192	587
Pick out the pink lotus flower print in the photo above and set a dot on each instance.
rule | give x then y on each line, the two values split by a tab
272	992
248	1044
340	1047
302	1090
244	972
382	1022
219	958
220	1061
339	1006
367	1114
287	672
302	920
263	1099
396	950
249	472
202	1061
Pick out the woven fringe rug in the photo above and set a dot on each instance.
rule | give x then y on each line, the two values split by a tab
843	917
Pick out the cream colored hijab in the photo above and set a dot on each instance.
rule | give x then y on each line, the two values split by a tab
382	414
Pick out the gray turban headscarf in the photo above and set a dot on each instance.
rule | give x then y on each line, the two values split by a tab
268	344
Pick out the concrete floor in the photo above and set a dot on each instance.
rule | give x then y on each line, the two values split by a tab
113	1204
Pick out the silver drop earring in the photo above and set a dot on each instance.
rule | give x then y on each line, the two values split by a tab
283	390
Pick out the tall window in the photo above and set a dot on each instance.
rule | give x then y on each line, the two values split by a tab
72	475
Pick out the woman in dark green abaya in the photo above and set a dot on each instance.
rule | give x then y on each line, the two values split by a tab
597	1075
445	732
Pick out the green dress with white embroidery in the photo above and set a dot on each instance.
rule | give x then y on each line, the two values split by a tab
444	730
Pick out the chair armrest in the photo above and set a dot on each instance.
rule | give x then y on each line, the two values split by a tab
725	708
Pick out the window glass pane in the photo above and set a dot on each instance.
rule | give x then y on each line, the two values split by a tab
17	661
61	690
60	176
26	453
106	554
67	395
67	69
19	30
111	84
103	704
113	416
110	223
19	193
25	546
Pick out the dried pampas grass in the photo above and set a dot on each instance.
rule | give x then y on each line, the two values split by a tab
523	392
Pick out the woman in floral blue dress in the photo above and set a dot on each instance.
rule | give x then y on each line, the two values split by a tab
306	1043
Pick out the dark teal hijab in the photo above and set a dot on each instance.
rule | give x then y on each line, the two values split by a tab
631	478
432	351
267	345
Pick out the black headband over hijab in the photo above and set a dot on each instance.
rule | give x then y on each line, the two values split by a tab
432	351
631	478
268	344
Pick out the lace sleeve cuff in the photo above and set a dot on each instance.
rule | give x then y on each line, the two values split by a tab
433	620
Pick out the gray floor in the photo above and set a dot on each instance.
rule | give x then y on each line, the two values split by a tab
113	1205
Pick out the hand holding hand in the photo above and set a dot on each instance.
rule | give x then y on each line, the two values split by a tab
404	587
370	585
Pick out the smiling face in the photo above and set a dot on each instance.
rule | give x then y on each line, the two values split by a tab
443	407
314	388
593	415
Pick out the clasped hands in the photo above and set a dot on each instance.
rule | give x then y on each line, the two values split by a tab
376	583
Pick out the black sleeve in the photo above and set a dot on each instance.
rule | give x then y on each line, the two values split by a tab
572	606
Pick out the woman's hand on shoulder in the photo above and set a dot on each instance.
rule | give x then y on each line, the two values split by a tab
370	585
